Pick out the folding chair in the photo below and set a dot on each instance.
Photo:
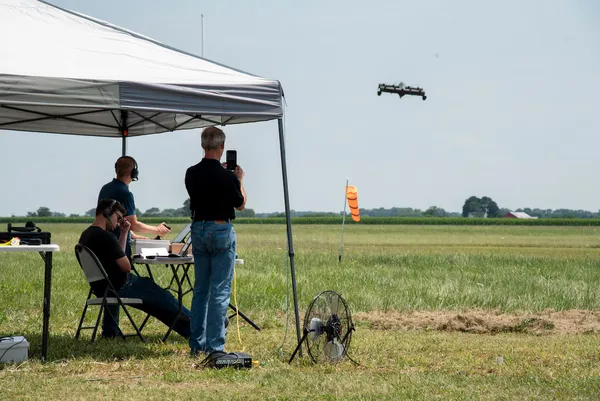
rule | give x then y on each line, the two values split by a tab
93	270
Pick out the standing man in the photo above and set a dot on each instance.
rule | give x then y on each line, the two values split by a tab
127	171
214	193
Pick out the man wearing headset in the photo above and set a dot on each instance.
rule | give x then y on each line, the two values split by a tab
158	302
127	171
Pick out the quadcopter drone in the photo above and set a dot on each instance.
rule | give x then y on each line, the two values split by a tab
401	90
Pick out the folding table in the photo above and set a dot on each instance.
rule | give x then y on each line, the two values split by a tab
45	252
180	267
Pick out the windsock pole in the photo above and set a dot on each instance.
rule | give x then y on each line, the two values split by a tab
343	220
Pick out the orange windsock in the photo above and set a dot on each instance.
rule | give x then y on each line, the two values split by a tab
352	196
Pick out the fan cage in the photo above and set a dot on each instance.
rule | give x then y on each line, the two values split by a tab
335	327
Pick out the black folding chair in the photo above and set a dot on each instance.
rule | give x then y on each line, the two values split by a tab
93	270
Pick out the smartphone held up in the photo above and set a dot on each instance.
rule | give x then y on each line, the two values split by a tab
231	159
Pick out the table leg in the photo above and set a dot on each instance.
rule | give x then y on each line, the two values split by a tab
179	298
149	272
47	287
186	277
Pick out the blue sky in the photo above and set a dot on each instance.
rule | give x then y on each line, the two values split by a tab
513	108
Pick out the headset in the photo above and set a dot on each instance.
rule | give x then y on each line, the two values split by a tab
109	210
135	172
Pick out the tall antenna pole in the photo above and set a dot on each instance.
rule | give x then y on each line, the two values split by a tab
343	220
202	27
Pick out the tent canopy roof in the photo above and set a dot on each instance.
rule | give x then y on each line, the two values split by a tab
65	72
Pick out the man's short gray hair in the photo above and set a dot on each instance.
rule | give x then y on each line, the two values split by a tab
212	138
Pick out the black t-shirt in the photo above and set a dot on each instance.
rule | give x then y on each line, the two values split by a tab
214	191
106	247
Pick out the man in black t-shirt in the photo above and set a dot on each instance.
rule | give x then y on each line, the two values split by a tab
214	194
110	251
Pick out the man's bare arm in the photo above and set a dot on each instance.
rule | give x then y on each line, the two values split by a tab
123	262
136	236
240	208
239	173
137	225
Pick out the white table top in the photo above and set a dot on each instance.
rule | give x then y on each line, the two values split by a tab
162	260
31	248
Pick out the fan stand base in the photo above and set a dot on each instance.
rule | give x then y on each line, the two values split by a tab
299	346
306	332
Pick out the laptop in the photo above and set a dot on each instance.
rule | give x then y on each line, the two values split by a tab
185	249
182	236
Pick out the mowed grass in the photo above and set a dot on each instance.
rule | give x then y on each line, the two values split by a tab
385	269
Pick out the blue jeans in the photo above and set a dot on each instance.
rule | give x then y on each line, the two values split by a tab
214	256
157	302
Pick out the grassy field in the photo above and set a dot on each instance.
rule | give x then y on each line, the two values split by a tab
442	312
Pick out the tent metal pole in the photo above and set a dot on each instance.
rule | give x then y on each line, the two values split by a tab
288	223
124	130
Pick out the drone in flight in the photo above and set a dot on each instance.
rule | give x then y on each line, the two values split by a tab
401	90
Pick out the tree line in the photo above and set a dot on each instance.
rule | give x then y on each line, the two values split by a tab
473	207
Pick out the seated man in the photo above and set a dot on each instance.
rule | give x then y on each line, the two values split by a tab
157	301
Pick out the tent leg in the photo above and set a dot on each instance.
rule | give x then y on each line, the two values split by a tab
288	223
124	130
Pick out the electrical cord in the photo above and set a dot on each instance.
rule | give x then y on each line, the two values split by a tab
9	348
348	354
349	357
237	310
213	356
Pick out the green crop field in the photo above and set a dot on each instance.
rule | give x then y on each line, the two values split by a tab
441	312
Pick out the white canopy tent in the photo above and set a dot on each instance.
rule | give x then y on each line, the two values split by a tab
67	73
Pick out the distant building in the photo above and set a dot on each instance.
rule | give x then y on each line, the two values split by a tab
518	215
